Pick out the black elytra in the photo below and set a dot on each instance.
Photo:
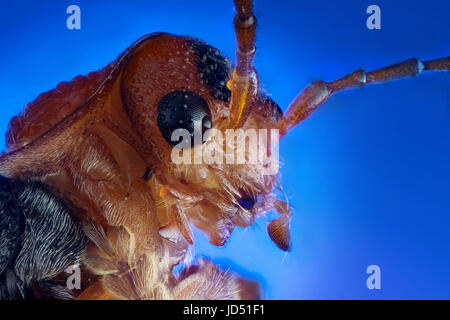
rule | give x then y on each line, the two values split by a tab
39	239
182	109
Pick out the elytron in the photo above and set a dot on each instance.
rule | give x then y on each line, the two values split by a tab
88	177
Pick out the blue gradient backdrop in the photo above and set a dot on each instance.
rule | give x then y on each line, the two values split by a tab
368	174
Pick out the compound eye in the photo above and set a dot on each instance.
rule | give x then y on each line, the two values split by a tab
181	110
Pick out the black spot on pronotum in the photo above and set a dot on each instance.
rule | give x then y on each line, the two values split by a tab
213	68
180	110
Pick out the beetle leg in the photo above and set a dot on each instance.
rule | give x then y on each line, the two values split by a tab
180	191
175	188
182	223
318	92
204	280
177	219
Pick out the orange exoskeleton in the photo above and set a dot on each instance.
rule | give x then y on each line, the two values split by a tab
104	143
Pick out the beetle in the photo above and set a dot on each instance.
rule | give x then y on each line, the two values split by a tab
107	152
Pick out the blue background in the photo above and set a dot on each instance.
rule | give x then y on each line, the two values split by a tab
368	174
